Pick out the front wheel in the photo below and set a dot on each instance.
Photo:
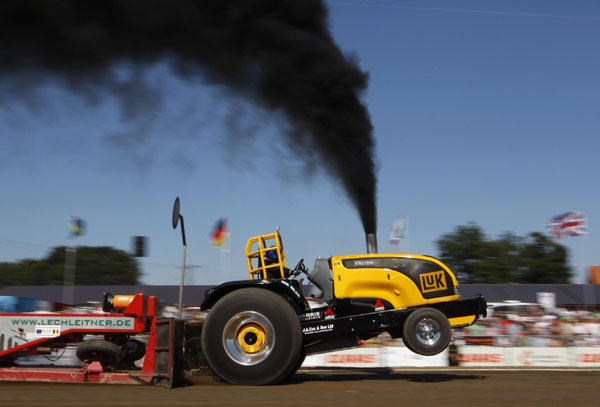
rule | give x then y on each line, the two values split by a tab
252	336
427	331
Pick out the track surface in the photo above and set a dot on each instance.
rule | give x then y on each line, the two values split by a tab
336	388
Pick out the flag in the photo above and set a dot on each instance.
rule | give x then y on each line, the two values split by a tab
219	233
77	226
398	231
568	224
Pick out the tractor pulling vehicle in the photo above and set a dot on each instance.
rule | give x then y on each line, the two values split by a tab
257	331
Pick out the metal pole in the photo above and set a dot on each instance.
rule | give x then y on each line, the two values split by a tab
182	267
181	284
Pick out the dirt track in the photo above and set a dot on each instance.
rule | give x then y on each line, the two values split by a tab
345	388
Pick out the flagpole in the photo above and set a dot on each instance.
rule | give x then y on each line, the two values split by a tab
76	228
226	261
220	237
69	278
399	234
407	237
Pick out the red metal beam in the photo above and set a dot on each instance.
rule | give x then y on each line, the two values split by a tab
65	375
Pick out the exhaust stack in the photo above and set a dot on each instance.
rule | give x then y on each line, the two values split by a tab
371	243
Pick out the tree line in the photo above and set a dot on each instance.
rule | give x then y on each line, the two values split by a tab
533	259
93	265
473	256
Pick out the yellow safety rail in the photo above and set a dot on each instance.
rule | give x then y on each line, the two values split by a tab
256	250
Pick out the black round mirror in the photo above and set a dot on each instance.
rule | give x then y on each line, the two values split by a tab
176	213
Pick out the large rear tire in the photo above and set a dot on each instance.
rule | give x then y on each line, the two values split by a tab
298	365
427	332
252	336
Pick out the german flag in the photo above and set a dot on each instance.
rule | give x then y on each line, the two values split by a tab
219	233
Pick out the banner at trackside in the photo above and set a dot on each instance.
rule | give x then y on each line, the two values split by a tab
358	357
388	356
586	357
538	357
313	360
399	356
468	356
481	356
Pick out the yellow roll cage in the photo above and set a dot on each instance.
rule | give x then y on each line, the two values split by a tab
256	249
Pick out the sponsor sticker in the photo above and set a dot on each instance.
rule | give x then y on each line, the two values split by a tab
318	328
46	331
310	316
434	281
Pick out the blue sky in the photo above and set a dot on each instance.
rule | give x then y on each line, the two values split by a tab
483	111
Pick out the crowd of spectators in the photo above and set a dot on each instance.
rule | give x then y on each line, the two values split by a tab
558	328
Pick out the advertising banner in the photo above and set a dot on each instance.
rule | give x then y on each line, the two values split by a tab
586	357
313	361
402	357
359	357
468	356
481	356
535	357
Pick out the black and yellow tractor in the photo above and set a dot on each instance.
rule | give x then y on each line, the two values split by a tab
258	331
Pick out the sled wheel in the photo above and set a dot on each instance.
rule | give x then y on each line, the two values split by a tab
427	331
133	350
252	336
99	350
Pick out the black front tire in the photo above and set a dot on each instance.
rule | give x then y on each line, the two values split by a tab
252	336
427	332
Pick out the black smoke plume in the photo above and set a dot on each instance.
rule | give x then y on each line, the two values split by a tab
277	53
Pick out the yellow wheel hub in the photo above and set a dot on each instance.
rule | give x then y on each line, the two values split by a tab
248	338
252	337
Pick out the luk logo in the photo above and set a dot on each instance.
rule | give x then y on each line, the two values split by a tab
433	281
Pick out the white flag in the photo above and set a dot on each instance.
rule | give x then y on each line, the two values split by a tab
399	229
